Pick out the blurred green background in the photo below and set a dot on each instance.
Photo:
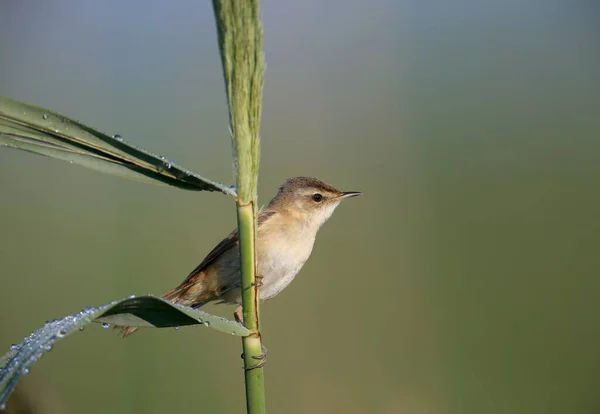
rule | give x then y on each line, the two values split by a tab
465	280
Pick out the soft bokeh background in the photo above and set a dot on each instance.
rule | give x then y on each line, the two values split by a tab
465	280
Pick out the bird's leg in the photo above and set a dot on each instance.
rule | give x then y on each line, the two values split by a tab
239	317
238	314
262	358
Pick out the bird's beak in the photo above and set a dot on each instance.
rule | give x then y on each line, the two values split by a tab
349	194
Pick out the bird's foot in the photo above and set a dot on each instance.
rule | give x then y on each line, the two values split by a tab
262	358
257	281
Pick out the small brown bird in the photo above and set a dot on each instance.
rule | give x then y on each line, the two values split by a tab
286	232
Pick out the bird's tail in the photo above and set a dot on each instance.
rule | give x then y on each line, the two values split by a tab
176	295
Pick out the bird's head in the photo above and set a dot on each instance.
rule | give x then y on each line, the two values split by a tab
309	199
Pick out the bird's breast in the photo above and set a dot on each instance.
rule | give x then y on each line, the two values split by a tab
280	257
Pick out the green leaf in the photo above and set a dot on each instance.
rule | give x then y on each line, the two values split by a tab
48	133
141	311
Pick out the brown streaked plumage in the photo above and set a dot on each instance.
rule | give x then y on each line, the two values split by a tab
286	231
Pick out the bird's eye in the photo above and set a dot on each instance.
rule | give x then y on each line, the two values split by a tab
317	197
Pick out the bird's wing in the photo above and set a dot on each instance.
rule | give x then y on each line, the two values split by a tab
227	243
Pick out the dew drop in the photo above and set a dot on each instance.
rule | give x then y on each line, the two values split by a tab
118	137
25	371
131	296
169	166
48	348
106	325
2	406
206	323
14	347
177	328
81	329
45	116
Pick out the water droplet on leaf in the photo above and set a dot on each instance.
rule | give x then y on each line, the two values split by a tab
118	137
45	116
106	325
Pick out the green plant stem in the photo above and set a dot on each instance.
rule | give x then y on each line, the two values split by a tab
255	386
239	31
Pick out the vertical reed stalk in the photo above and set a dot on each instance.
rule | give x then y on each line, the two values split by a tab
240	43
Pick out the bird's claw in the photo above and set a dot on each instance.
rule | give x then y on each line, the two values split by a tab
262	359
257	282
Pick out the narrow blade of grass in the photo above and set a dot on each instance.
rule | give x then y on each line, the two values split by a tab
141	311
48	133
